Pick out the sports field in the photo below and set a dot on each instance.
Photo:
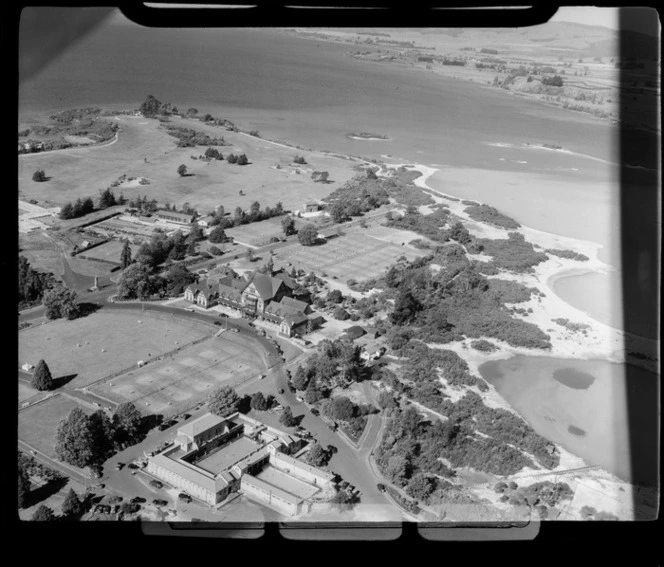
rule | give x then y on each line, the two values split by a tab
352	256
181	380
259	233
75	347
38	424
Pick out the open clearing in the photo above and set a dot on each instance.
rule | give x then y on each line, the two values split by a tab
259	233
38	424
123	338
352	256
81	172
108	252
179	381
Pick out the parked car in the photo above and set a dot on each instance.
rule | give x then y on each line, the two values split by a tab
132	466
184	497
138	500
315	411
186	416
218	323
160	502
280	390
380	486
119	466
156	484
299	399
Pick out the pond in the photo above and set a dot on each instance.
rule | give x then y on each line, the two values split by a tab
583	406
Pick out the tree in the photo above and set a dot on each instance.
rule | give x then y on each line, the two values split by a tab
39	176
421	486
317	456
103	437
258	402
60	302
313	393
125	255
405	308
299	160
42	379
342	408
232	158
300	379
106	199
182	170
67	211
138	282
308	235
242	159
223	401
43	514
340	313
335	296
128	420
196	233
338	212
217	235
23	487
255	211
287	417
239	216
288	225
72	507
212	153
74	440
150	107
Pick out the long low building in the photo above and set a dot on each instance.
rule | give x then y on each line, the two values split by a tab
213	457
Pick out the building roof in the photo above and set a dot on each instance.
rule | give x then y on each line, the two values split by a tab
294	304
191	473
355	332
184	217
294	319
278	492
266	286
198	426
284	277
296	463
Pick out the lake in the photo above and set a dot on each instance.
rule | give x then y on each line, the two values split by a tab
583	406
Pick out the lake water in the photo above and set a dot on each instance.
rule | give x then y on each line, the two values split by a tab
583	406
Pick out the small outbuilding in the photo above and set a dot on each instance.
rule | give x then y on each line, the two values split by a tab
355	332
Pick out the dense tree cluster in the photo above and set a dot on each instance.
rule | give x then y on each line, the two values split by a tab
490	215
317	456
143	205
457	301
78	208
567	254
213	153
139	281
514	253
61	302
356	197
189	138
88	440
31	283
555	81
335	364
430	226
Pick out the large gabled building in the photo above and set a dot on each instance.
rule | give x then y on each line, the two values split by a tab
268	296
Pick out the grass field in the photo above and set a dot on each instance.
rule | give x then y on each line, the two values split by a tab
123	338
109	251
352	256
80	172
38	424
179	382
259	233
